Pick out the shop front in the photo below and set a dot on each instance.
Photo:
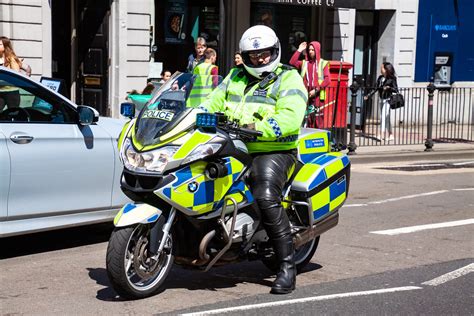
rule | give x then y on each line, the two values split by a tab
178	24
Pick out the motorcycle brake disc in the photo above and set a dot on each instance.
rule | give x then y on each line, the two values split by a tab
144	265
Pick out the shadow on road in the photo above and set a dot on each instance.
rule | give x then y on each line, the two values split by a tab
223	277
54	240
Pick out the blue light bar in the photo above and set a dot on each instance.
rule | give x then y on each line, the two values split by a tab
206	120
127	109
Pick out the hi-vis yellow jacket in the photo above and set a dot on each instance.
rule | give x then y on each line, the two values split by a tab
202	85
277	110
321	65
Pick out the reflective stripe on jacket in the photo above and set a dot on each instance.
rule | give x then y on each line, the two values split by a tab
277	110
202	84
321	65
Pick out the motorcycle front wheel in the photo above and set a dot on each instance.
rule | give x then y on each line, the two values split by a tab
132	270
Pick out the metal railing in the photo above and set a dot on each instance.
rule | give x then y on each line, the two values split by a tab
429	116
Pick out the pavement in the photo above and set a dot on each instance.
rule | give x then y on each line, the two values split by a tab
389	153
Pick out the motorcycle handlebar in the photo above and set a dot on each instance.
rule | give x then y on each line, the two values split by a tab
232	126
250	132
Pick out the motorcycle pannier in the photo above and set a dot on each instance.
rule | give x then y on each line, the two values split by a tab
323	185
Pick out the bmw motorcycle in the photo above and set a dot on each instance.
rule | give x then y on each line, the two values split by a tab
186	171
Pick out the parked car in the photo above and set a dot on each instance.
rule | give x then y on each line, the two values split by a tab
59	164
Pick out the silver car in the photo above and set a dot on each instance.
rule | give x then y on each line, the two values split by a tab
59	164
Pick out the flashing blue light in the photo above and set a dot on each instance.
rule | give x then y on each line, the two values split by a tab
127	109
206	120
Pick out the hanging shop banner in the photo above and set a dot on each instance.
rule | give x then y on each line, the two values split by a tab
263	14
175	21
298	29
209	25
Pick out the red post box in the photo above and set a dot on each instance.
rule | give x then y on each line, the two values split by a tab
330	108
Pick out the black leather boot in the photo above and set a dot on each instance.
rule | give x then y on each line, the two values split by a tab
285	281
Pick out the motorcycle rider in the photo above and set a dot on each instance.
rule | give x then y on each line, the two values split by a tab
269	97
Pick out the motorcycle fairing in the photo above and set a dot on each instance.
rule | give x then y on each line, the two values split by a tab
192	143
131	214
312	143
124	133
195	194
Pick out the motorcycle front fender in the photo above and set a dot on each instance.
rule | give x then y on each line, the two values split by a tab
131	214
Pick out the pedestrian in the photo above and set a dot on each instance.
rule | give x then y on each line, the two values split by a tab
268	97
148	89
165	75
194	60
315	73
237	59
385	86
9	95
207	66
205	78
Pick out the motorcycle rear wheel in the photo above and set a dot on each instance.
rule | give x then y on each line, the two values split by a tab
302	256
133	272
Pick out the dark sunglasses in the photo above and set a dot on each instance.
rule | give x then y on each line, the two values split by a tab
263	55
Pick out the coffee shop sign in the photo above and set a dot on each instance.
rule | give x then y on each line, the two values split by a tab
329	3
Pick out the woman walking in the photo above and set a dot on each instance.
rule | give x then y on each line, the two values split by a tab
386	85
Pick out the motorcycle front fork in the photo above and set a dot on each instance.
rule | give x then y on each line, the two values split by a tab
159	233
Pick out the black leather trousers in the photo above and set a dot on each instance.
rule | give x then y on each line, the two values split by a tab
268	177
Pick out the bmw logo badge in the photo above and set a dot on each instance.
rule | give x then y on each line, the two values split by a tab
193	186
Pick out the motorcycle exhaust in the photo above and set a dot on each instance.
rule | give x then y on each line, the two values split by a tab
302	238
203	245
228	234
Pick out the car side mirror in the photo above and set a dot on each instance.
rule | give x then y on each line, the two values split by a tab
87	115
127	109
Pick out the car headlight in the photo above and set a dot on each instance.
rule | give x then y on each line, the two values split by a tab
150	161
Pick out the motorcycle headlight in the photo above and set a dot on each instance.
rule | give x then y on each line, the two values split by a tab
150	161
202	151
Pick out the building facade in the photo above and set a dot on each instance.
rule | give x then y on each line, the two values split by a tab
102	49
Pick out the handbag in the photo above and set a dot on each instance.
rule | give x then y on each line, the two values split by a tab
396	101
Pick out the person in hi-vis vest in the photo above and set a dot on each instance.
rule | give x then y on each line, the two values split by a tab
315	73
205	78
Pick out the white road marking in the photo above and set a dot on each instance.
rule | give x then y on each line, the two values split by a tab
411	229
409	197
355	205
304	300
463	163
451	275
398	198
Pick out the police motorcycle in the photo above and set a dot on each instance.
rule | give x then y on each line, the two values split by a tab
186	171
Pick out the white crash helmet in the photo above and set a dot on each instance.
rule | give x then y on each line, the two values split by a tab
257	39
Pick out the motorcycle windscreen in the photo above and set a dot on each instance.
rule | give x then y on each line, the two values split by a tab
171	103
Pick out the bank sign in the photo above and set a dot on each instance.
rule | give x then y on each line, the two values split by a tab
444	27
